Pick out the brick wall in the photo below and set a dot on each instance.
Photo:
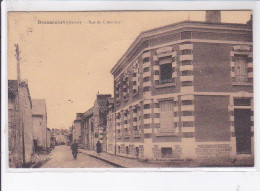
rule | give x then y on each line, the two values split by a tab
211	118
209	151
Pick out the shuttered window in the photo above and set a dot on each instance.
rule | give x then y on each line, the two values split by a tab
166	114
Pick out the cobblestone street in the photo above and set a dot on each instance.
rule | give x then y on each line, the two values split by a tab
61	157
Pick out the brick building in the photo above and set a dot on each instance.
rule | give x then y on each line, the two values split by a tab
185	91
92	124
39	116
20	129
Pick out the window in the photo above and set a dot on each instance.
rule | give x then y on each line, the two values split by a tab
186	83
146	60
157	115
166	114
146	69
242	102
147	79
157	72
147	106
187	113
147	116
187	102
186	73
134	83
166	73
134	74
240	68
185	52
186	62
166	152
127	150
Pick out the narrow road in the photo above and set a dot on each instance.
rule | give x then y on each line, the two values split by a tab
61	157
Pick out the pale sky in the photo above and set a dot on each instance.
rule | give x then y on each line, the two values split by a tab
73	61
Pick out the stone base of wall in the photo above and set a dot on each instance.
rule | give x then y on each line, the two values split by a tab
216	151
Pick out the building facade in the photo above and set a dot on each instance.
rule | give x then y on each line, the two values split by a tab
185	91
20	128
92	124
39	116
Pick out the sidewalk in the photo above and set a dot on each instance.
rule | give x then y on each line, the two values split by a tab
122	161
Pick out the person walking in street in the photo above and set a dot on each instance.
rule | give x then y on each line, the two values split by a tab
74	148
98	145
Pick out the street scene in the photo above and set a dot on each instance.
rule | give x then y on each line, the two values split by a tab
110	90
61	157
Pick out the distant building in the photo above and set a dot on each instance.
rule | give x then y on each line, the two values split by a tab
20	129
76	129
185	91
91	125
111	127
39	115
59	136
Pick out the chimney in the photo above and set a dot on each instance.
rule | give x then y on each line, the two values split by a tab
213	17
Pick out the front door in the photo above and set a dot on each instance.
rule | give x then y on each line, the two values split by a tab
243	130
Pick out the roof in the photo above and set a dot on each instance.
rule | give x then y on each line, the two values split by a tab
38	107
172	27
88	112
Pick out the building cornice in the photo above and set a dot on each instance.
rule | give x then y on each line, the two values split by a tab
156	32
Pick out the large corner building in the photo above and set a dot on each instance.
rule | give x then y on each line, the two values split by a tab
185	91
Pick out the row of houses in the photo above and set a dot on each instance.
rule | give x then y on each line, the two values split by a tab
27	124
60	137
181	91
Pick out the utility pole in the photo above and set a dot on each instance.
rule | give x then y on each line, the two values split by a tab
20	110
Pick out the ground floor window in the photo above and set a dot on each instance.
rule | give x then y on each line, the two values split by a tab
166	152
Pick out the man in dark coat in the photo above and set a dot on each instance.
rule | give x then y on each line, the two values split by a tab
74	148
98	145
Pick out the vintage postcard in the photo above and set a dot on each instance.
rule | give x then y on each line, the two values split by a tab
130	89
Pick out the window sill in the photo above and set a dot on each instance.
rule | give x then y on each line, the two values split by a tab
165	85
242	83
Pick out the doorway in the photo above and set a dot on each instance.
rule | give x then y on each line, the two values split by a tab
243	130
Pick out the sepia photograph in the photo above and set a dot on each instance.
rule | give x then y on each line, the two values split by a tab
130	89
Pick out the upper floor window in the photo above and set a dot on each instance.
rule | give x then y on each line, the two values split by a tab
186	51
241	73
146	59
147	79
146	69
166	73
